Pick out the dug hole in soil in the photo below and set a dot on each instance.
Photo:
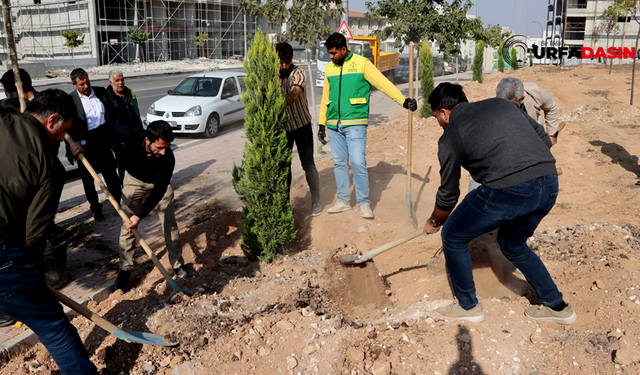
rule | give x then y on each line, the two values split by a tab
307	314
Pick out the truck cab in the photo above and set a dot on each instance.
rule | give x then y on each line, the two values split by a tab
365	46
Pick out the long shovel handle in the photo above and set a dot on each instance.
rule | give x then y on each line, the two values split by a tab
412	214
97	319
377	251
125	217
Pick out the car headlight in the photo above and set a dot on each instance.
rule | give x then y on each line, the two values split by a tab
152	109
193	111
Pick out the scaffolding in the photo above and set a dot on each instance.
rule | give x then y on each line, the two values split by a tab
173	26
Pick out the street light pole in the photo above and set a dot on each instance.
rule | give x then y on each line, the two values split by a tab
526	25
541	32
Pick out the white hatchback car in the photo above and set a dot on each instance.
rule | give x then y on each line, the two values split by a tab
202	103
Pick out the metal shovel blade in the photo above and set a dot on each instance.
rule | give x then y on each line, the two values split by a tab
348	259
141	337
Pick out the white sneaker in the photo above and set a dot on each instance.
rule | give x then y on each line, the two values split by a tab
339	206
365	211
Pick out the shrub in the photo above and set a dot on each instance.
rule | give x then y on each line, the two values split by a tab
427	81
478	60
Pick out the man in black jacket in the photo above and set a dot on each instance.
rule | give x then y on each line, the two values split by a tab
124	104
92	139
149	168
28	202
508	153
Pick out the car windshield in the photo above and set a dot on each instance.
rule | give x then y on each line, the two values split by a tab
404	61
198	86
323	54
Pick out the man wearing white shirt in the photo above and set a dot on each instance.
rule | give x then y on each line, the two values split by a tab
92	139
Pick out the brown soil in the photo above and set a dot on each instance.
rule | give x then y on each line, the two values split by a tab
307	314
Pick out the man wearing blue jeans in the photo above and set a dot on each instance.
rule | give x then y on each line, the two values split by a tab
344	109
28	201
508	153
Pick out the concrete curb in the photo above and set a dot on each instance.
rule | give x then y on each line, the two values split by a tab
25	340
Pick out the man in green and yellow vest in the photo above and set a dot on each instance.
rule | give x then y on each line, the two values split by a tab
344	110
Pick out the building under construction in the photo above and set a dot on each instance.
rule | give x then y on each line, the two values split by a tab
173	26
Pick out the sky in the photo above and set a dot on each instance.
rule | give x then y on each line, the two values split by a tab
499	12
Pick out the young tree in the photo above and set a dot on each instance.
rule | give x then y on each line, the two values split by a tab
478	60
201	41
74	39
530	59
139	38
427	81
514	59
305	19
261	181
500	59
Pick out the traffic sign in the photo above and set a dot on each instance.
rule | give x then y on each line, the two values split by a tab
344	30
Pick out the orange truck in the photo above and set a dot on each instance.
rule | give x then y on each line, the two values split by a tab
367	46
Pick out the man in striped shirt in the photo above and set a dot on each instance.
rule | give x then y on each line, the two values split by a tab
293	82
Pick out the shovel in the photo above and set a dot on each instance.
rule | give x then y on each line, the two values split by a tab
412	213
351	259
123	215
122	334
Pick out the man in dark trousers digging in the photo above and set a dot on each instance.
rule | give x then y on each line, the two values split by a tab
28	202
91	138
508	153
293	82
149	167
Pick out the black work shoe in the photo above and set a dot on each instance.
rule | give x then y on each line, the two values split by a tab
5	319
122	280
97	212
316	209
182	272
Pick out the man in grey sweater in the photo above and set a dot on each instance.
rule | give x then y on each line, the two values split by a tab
508	153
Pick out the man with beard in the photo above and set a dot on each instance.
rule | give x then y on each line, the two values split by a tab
28	202
125	111
345	111
293	83
149	167
91	138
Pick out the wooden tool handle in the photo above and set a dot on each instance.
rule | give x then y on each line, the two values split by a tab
379	250
410	126
97	319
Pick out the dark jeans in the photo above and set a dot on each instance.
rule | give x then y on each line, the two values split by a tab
516	212
98	153
303	138
25	297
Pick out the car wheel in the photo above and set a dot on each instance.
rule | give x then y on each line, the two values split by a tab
212	126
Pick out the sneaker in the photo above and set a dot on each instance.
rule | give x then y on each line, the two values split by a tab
122	280
5	319
339	206
182	272
543	313
365	211
316	209
455	311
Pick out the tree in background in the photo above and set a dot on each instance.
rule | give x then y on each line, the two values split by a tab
261	181
201	41
427	81
306	21
500	59
139	38
73	39
514	59
477	62
530	58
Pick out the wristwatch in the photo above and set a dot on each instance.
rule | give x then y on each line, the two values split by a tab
83	142
433	223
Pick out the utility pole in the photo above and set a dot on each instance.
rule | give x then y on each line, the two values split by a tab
345	16
14	56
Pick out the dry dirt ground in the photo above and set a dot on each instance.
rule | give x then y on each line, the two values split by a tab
306	314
